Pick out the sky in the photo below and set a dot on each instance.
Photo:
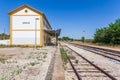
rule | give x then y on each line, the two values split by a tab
76	18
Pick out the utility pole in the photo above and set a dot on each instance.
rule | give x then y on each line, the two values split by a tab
83	38
3	34
56	38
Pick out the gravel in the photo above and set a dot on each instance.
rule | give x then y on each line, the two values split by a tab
102	62
25	63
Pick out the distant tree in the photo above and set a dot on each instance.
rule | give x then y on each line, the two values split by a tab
108	35
4	36
59	39
66	39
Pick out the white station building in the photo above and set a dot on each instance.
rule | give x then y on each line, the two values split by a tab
29	27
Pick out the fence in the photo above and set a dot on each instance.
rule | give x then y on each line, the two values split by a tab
4	42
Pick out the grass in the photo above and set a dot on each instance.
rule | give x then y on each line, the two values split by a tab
9	46
19	71
63	55
32	63
3	77
2	46
2	61
3	58
76	61
15	73
45	55
71	57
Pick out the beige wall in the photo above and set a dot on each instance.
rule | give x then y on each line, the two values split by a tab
47	38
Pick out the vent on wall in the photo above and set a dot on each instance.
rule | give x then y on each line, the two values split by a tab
26	11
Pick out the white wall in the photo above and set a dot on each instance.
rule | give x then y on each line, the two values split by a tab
25	37
23	27
5	42
22	12
25	22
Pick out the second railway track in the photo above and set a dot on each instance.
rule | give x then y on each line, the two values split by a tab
114	55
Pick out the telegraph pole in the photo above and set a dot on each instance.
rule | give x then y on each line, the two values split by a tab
3	34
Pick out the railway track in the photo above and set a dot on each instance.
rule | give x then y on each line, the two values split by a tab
85	69
114	55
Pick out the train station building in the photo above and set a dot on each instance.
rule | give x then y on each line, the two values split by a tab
29	26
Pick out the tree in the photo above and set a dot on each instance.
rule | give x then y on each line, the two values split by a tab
4	36
108	35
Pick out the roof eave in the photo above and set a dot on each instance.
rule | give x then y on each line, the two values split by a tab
22	7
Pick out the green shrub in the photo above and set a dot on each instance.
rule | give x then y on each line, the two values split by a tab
71	57
76	61
32	63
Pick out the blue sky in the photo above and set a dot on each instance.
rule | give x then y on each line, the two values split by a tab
72	16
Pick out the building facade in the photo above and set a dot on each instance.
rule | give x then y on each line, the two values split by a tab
29	27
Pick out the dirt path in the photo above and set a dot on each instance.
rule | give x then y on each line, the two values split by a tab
58	73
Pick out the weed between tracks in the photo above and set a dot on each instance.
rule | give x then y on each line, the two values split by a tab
64	57
72	57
